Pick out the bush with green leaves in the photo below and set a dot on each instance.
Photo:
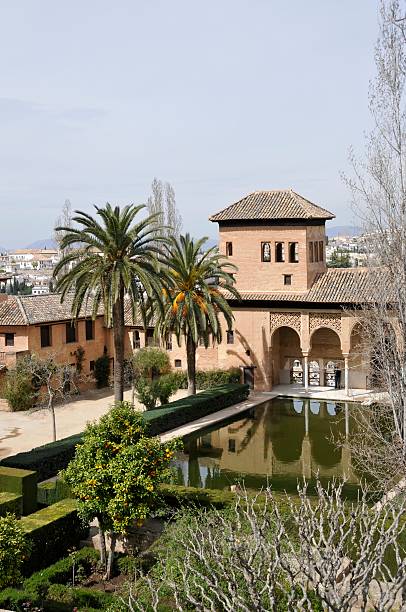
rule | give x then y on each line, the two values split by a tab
116	472
18	390
146	392
165	386
14	550
151	361
102	371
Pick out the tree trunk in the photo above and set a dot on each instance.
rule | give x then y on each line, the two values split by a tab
103	556
113	538
52	410
191	364
118	334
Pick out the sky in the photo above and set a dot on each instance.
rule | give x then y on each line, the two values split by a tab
220	98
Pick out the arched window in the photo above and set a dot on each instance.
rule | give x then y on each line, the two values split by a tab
136	339
265	251
279	252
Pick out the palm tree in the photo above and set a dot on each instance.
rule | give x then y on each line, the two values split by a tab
195	282
111	258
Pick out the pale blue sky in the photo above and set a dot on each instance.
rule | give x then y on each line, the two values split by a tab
219	97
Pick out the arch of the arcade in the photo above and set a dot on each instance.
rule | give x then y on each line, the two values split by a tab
309	347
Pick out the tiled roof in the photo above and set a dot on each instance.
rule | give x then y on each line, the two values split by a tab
37	309
336	286
11	312
272	205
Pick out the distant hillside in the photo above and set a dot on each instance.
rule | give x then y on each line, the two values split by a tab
343	230
46	243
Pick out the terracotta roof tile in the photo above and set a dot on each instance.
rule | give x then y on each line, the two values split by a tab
336	285
272	205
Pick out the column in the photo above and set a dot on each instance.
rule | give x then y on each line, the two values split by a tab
346	374
347	420
306	372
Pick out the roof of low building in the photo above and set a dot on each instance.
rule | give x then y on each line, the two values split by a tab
47	308
276	204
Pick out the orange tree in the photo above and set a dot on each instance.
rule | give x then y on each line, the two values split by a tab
116	472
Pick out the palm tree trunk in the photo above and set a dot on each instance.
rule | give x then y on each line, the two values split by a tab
118	335
191	365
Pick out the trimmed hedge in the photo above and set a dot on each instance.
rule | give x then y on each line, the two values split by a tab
207	379
49	493
22	482
49	459
11	503
46	460
48	587
190	408
52	531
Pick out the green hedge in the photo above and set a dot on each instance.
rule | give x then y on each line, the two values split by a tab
22	482
11	503
53	531
49	493
48	588
188	409
48	460
207	379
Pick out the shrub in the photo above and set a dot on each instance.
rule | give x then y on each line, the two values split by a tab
149	391
102	371
150	361
165	386
146	393
18	390
14	549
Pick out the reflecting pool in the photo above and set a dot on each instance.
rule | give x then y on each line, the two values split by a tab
277	442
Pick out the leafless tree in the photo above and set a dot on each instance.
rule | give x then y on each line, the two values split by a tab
379	193
53	382
163	203
266	556
64	220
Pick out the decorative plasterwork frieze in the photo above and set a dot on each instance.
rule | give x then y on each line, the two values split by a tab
285	319
325	319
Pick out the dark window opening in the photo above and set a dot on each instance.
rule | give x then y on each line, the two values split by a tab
230	336
229	249
136	340
280	252
311	257
89	329
70	333
46	339
266	251
178	363
321	251
149	338
293	252
91	366
9	339
231	445
169	344
287	279
316	251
